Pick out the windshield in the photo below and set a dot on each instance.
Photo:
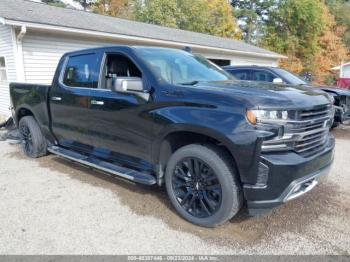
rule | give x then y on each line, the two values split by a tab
291	79
180	67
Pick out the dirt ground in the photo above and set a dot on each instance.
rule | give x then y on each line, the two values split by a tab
54	206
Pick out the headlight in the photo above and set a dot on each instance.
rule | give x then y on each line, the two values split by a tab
259	116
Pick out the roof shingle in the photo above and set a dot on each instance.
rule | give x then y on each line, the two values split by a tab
33	12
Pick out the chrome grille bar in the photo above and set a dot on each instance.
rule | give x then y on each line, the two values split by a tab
315	113
321	138
306	134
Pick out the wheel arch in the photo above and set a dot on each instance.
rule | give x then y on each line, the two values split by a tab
22	112
178	136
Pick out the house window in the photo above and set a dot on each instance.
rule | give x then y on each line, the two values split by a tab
3	75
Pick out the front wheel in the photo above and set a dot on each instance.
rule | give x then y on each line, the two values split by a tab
202	185
335	124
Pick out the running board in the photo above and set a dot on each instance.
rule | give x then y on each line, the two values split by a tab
138	177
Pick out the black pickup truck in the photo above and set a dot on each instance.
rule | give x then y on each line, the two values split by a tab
161	116
281	76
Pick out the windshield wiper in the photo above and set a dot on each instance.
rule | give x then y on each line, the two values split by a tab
191	83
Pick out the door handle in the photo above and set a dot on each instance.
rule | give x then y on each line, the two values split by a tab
96	102
56	98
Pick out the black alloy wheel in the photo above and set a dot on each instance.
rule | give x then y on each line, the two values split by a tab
196	187
203	185
34	143
27	140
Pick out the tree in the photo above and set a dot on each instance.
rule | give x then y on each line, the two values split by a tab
85	4
57	3
340	9
112	7
332	50
306	32
193	15
251	16
293	29
221	21
204	16
159	12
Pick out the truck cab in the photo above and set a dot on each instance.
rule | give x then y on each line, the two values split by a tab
161	116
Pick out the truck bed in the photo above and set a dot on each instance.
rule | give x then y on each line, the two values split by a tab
34	97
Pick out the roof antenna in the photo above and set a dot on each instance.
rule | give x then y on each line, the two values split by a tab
188	49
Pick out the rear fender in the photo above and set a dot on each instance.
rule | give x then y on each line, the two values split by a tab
40	119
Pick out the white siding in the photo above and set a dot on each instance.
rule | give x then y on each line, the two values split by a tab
7	50
42	53
249	60
346	71
240	59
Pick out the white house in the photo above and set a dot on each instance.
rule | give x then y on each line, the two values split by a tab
344	70
33	36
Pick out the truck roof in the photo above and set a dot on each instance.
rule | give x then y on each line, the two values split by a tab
126	47
249	66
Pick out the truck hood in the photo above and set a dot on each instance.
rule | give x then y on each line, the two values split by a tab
267	95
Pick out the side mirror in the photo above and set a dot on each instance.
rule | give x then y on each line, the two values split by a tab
130	85
277	81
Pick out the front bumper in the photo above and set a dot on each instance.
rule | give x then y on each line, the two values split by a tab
289	176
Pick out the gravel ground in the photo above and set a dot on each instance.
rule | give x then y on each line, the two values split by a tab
53	206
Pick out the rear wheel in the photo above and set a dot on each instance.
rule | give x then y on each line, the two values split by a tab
202	185
33	142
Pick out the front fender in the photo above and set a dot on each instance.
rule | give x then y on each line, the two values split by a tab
230	128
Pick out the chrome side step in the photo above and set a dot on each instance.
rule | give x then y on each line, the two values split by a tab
138	177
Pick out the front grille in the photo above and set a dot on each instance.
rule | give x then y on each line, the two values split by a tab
306	133
313	130
315	113
312	143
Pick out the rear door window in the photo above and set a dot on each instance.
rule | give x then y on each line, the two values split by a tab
263	76
241	74
82	71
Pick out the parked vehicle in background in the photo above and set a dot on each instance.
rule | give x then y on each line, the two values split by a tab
166	116
281	76
343	83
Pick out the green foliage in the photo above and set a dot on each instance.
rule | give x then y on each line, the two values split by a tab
341	11
293	29
159	12
252	16
193	16
205	16
120	8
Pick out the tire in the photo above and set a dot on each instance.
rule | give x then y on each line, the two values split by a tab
198	200
335	124
33	143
